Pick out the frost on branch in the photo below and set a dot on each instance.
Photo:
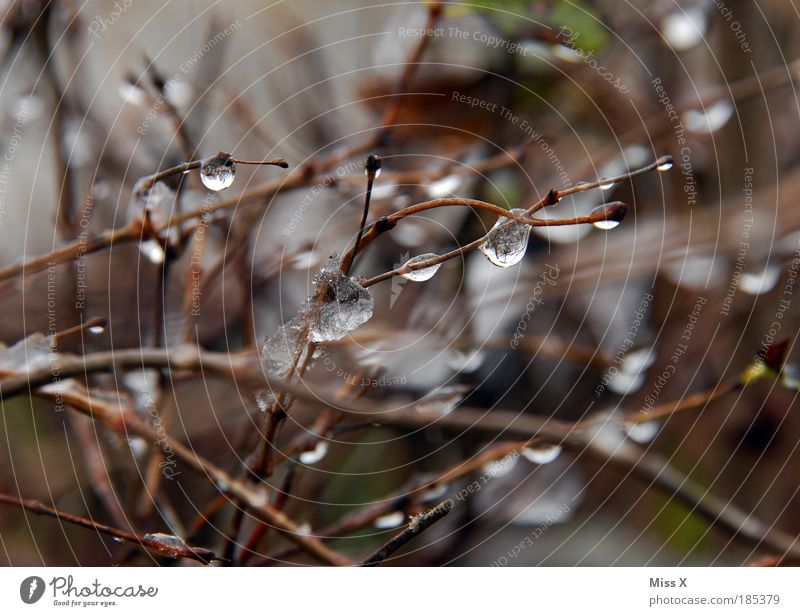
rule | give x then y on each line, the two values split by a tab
338	305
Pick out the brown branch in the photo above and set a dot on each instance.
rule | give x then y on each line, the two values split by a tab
127	424
435	10
688	403
154	545
417	526
462	250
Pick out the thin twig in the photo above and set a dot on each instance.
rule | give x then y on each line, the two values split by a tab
417	526
147	542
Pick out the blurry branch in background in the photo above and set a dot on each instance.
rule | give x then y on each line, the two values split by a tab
127	424
579	437
244	488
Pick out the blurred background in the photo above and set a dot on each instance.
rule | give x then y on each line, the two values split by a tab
506	101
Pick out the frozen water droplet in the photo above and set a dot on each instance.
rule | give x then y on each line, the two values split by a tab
665	163
117	540
28	354
315	455
338	306
218	172
390	520
345	306
442	400
710	119
264	399
614	214
444	187
158	203
169	544
756	283
426	273
683	29
503	466
280	349
607	185
507	241
465	361
153	251
642	432
304	529
542	454
96	330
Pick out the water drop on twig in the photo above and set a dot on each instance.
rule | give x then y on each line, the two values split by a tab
507	241
390	520
153	251
218	172
426	273
614	214
316	454
685	29
642	432
665	163
542	454
710	119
